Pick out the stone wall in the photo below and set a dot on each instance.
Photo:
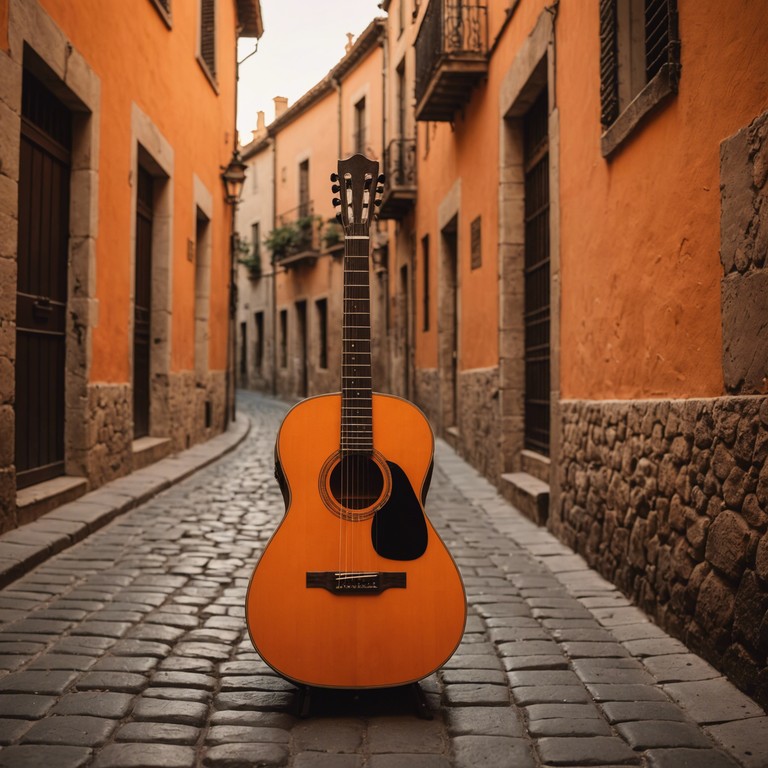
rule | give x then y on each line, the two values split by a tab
479	422
109	433
186	408
427	394
669	500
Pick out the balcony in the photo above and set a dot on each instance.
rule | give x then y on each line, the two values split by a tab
400	171
451	57
296	238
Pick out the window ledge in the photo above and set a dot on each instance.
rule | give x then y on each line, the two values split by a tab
208	73
165	15
656	90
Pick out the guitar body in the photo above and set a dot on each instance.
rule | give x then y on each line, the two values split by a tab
355	589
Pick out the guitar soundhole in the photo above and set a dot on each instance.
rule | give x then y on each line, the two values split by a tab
356	482
353	487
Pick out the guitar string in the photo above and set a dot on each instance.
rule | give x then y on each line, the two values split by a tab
355	441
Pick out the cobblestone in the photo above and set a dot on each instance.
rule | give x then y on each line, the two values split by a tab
128	649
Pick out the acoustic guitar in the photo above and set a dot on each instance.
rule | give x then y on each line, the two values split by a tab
355	589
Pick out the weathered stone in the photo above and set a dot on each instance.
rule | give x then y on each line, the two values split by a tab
749	609
696	534
727	544
745	334
734	488
761	560
715	604
722	461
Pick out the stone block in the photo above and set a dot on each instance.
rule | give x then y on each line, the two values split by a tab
727	543
745	334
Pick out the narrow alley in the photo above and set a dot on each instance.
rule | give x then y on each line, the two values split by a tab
129	649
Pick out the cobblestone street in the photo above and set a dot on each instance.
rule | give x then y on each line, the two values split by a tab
129	649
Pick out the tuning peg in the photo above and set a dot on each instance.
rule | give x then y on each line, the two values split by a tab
379	190
335	188
334	177
336	201
381	178
377	203
339	219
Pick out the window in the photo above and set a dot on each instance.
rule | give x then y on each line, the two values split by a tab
256	241
425	297
258	358
639	62
243	349
476	250
164	9
304	189
360	126
283	338
207	57
322	331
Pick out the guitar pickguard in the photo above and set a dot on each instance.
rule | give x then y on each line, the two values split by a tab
399	530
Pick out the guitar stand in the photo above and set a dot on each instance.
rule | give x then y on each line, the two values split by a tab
303	702
421	706
420	702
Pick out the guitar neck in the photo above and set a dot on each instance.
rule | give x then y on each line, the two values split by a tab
356	384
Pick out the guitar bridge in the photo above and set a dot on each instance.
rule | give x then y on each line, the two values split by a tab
356	582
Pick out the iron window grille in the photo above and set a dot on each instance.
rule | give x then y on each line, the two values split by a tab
639	62
208	36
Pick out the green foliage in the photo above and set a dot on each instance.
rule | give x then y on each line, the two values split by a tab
332	233
291	238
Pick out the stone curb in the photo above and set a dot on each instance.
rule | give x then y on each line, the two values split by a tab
29	545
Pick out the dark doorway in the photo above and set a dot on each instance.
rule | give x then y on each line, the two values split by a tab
403	322
143	303
41	293
537	301
301	322
449	316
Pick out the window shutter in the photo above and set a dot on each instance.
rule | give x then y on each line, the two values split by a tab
662	44
609	64
207	34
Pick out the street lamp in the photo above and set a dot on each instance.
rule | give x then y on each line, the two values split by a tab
233	177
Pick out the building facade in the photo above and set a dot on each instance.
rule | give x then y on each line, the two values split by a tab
582	250
115	252
290	276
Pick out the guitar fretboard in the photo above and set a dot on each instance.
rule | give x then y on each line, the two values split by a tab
356	386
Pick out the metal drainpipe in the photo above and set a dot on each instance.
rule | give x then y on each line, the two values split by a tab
337	83
274	270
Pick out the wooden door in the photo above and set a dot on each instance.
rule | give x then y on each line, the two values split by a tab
537	302
143	304
303	372
41	292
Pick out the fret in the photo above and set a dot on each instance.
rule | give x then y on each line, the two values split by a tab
356	391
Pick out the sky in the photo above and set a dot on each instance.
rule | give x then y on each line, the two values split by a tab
302	41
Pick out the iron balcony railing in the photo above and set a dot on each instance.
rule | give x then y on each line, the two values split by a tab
400	187
400	163
296	236
451	28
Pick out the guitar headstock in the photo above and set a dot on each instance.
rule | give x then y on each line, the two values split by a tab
358	185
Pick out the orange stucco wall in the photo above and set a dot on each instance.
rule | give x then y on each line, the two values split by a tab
640	234
126	48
